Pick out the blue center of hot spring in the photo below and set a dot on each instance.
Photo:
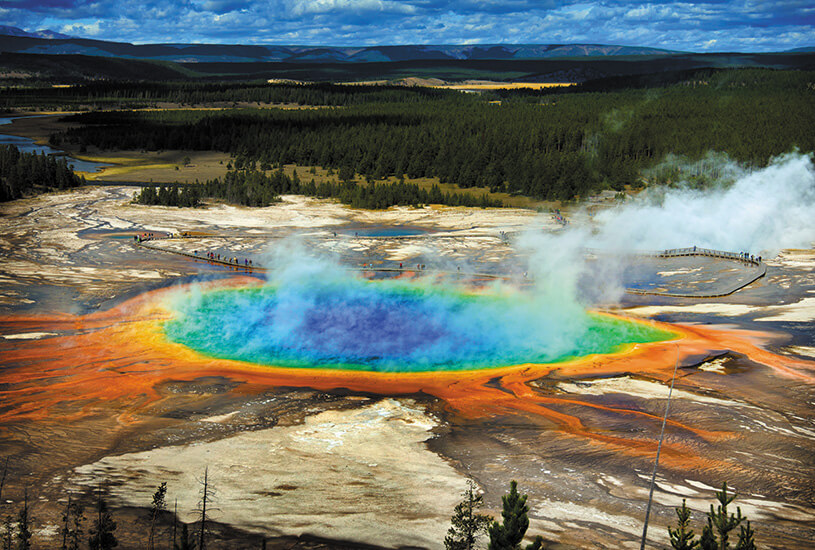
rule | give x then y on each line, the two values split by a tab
392	327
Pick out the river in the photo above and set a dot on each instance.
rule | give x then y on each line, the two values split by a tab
27	145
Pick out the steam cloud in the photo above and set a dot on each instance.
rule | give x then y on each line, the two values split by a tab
761	212
758	212
314	313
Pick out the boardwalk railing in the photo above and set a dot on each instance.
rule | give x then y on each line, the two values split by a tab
696	251
743	258
677	252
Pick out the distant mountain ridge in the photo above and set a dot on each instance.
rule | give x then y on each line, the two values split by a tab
42	33
47	42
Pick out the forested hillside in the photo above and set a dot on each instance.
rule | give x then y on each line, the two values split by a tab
107	94
548	146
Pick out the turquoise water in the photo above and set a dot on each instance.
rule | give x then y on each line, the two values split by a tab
390	327
385	231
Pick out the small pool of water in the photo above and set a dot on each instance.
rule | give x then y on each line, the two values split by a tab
107	233
384	231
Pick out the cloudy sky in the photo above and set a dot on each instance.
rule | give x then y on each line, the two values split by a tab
713	25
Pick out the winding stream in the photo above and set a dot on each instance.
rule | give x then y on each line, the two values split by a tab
27	145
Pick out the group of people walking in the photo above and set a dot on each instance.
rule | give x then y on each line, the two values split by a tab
233	260
211	256
743	256
747	257
144	237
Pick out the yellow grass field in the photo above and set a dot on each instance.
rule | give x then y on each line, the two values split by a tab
320	175
163	167
467	85
476	86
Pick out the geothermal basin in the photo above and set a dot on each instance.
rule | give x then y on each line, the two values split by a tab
322	401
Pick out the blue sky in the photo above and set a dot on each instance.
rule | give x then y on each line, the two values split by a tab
714	25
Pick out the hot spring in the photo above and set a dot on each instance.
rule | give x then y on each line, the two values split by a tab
393	326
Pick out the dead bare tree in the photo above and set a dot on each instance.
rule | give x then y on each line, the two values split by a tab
175	521
3	478
207	494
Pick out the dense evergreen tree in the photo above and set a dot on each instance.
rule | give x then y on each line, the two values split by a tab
75	535
170	195
509	534
467	523
682	537
23	174
156	508
72	520
716	533
708	540
24	526
746	535
102	534
723	521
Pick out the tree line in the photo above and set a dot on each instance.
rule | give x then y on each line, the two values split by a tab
252	187
107	93
23	174
468	525
557	146
16	531
170	195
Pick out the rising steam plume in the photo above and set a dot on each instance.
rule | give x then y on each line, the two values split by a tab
760	212
313	312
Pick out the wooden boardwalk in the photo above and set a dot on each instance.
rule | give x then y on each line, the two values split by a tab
747	261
